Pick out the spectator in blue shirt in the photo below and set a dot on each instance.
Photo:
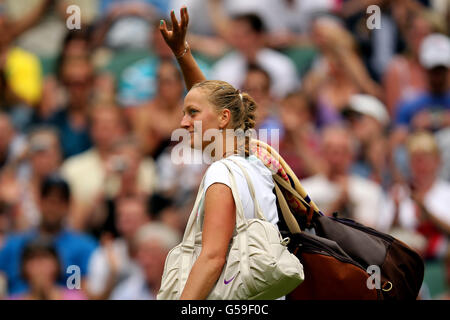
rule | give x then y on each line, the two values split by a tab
72	248
430	110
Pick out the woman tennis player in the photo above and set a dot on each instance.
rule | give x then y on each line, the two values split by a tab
217	105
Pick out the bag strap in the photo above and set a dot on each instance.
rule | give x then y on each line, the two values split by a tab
189	233
257	208
287	214
188	242
242	236
241	221
309	209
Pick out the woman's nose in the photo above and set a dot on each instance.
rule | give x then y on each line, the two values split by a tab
185	122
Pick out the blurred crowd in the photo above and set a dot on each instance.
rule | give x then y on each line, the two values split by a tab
86	117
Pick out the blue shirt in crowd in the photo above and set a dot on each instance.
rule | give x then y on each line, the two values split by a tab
432	103
73	140
73	249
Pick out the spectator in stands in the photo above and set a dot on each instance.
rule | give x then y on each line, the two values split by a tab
287	31
114	262
77	76
40	267
421	205
55	92
257	83
106	127
246	34
430	110
368	119
128	174
155	120
127	24
153	241
337	190
338	72
405	77
12	142
42	158
299	144
73	248
106	165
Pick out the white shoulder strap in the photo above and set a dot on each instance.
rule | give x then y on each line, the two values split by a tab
258	212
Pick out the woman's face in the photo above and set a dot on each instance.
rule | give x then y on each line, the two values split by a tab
41	270
419	30
197	108
170	85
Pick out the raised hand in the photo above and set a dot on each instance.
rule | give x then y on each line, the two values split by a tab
176	38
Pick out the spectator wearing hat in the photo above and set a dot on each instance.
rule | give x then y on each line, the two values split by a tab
421	205
73	248
369	119
430	110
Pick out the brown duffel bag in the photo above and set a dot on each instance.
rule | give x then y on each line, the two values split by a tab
339	256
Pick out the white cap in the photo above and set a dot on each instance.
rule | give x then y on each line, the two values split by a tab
370	106
435	51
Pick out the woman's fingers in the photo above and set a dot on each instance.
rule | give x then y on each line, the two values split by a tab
183	18
187	16
163	29
175	25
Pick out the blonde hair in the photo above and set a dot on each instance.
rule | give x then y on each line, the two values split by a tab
422	142
222	96
157	231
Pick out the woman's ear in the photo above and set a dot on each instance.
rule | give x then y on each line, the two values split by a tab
224	118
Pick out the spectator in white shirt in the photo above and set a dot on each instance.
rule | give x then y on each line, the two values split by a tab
247	34
420	207
153	242
336	189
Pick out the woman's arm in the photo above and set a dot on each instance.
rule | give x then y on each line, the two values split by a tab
176	40
218	229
